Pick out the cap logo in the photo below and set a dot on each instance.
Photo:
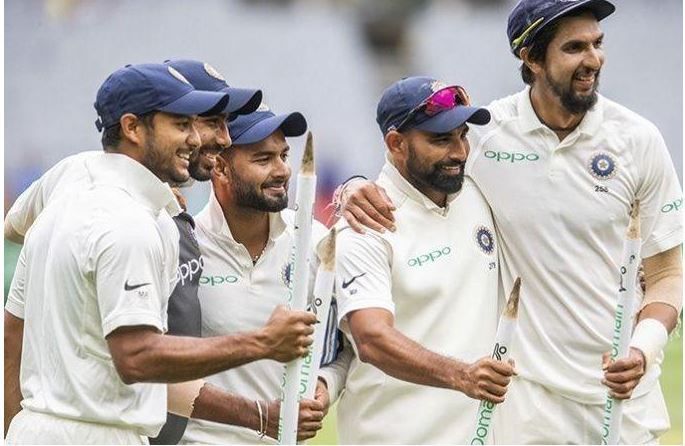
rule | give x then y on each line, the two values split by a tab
263	108
177	75
519	40
213	72
438	85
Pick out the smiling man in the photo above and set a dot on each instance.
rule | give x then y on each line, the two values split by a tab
246	234
97	268
560	166
421	304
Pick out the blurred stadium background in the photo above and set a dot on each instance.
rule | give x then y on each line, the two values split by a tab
329	59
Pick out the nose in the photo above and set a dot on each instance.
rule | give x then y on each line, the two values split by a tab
281	169
223	137
459	150
594	59
193	138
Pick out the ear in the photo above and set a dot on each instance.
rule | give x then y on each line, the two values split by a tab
221	171
532	65
396	143
131	128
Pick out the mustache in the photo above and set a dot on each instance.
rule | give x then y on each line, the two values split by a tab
451	164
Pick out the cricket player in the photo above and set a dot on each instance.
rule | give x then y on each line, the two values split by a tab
560	166
246	235
96	300
421	304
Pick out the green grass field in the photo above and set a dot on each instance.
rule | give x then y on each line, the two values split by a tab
671	378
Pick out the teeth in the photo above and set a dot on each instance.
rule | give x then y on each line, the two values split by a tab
185	156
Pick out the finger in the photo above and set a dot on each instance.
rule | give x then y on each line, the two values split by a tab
310	426
305	435
306	317
494	389
606	360
381	203
497	379
377	217
492	398
308	330
623	377
621	396
391	206
353	222
623	365
364	219
313	405
501	367
621	388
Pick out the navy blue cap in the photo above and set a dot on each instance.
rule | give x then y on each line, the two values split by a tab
260	124
144	88
530	16
400	98
203	76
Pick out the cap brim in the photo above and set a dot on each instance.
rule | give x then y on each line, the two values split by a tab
292	124
242	101
197	102
451	119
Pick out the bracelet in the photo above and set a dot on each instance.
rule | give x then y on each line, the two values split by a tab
266	423
337	194
261	430
650	337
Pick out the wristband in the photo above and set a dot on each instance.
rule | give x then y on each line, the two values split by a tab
181	397
650	337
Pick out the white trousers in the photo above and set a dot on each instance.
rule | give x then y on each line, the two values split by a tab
532	414
29	427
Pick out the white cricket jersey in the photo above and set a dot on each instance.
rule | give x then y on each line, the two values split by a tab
63	176
561	209
438	275
96	259
237	296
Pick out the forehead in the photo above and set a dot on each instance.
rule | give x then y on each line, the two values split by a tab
583	27
273	143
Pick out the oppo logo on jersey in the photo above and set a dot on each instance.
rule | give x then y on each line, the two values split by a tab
511	157
187	270
430	257
218	280
674	205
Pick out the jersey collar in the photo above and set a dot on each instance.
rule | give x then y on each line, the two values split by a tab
116	169
529	121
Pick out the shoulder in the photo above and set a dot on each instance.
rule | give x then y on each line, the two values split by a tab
623	121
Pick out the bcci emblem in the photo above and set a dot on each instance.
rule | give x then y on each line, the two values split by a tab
263	108
602	166
437	86
285	273
485	239
213	72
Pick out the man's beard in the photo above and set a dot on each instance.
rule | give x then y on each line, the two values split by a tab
201	171
248	196
433	175
574	103
163	167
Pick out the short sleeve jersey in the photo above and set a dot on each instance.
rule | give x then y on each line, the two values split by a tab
97	259
438	276
561	209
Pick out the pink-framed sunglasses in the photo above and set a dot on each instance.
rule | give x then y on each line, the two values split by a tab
440	101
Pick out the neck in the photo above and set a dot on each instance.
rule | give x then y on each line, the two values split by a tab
249	227
552	113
